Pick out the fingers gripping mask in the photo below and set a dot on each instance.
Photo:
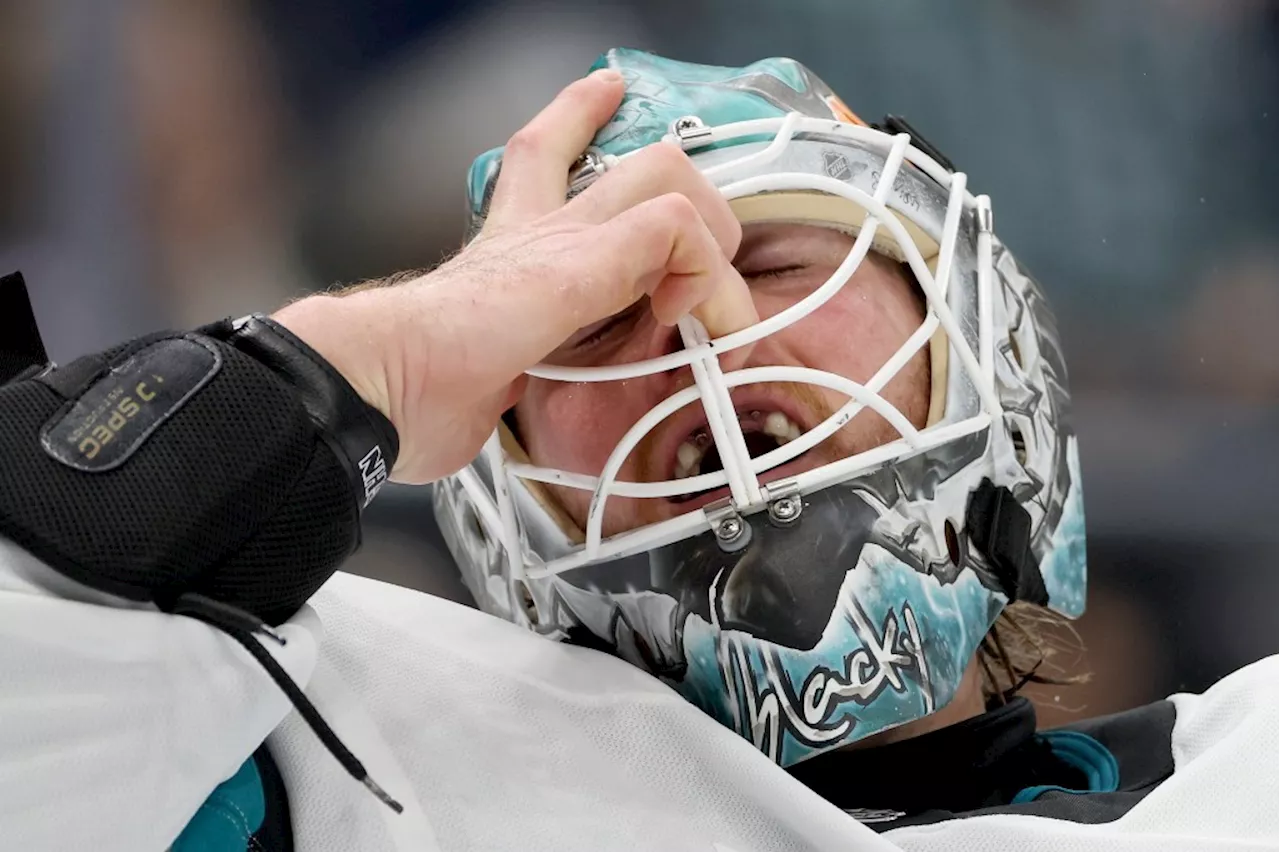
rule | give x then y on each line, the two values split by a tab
806	527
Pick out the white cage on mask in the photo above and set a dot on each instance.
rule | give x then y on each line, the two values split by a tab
908	205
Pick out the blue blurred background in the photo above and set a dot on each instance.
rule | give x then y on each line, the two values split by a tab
169	162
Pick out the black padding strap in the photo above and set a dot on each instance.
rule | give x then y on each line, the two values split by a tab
361	435
1000	527
897	124
21	347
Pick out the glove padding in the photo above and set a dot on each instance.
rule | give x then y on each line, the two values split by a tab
179	463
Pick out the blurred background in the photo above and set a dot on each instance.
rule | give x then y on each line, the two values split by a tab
170	162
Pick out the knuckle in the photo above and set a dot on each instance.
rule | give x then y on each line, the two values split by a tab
667	160
679	209
675	215
524	143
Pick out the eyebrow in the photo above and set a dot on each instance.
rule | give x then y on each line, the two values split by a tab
765	233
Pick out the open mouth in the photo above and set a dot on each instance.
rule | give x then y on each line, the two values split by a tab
763	432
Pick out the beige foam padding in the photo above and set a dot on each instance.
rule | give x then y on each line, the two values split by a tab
538	490
817	208
805	207
939	352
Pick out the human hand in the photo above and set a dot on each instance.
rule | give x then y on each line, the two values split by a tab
443	355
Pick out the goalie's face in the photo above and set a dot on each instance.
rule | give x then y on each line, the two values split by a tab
575	426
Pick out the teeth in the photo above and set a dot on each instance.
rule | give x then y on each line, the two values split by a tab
777	424
688	459
690	453
781	428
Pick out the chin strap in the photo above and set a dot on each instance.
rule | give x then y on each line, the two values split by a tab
1000	527
21	348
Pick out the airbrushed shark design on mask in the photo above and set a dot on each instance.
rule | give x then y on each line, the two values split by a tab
660	90
864	614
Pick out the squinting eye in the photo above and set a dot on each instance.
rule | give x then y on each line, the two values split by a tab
772	272
593	334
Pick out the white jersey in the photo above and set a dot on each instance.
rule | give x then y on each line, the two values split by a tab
117	721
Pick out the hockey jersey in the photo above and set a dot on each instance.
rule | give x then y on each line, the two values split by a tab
117	722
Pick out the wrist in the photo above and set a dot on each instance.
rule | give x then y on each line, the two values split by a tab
362	439
340	331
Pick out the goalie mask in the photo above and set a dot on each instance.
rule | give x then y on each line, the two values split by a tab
811	606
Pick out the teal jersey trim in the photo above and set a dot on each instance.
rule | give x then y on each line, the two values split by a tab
229	817
1082	752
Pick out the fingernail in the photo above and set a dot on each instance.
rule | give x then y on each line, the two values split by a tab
607	75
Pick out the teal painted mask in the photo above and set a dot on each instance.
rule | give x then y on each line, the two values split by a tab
808	612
